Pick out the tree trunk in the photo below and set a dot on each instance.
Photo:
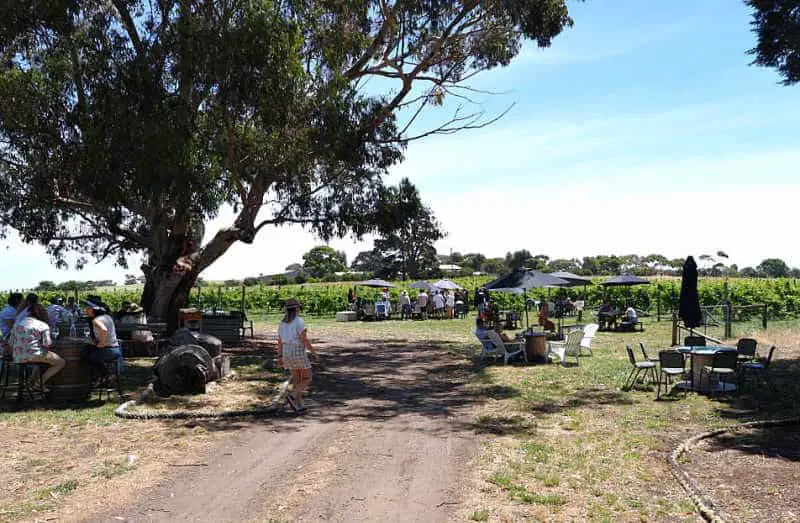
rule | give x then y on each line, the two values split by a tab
171	272
165	293
176	257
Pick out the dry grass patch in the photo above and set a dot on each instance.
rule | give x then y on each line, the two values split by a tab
251	386
55	461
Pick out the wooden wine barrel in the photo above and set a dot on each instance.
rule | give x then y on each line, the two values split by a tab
71	385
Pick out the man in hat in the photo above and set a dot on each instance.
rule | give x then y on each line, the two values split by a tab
405	306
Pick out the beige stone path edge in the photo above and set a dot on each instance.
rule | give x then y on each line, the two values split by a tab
706	507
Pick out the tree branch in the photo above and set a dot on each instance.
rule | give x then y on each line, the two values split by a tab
130	27
446	129
388	23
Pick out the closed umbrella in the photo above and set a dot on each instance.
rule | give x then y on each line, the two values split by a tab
689	308
525	279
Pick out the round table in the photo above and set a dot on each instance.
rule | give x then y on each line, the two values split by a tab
702	356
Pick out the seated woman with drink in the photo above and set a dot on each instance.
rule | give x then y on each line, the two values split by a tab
30	343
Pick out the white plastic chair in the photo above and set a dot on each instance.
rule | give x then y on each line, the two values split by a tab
589	333
489	350
509	349
570	347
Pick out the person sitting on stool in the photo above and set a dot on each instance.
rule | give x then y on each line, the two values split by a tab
104	333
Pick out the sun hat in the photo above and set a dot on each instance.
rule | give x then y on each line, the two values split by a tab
134	308
292	303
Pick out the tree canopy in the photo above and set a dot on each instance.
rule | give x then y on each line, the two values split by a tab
776	24
406	233
322	261
126	125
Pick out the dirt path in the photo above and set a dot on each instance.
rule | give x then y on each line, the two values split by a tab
388	438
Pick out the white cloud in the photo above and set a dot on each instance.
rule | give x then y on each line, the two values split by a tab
747	222
578	46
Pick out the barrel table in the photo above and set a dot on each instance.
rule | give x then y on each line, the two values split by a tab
71	385
536	347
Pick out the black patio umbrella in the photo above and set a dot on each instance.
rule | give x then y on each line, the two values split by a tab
689	308
375	283
525	279
573	280
625	280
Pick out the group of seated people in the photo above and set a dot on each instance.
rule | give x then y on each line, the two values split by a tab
608	317
29	331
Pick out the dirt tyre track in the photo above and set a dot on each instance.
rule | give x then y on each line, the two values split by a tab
388	438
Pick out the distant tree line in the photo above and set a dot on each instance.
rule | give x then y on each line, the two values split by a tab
323	263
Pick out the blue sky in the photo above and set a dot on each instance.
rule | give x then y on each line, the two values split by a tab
642	129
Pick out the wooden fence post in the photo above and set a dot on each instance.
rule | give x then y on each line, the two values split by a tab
764	316
674	328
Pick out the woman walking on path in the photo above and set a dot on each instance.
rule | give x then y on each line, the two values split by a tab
292	345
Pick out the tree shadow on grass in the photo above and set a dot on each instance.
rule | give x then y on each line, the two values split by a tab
768	442
577	399
381	380
776	394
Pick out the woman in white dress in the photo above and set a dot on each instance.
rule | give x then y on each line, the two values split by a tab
292	345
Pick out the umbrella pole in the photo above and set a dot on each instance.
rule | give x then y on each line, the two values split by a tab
527	322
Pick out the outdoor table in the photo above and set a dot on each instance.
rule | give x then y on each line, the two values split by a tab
536	346
700	357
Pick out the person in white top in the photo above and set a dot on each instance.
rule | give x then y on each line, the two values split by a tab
450	304
405	306
292	345
438	304
104	334
422	301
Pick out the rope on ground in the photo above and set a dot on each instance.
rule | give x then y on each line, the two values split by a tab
706	507
271	410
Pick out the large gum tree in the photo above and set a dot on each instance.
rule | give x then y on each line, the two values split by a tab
126	124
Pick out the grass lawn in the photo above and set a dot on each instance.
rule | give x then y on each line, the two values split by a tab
567	443
558	443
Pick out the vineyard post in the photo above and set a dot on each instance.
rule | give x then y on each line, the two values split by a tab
658	302
243	298
218	306
764	316
728	313
674	328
